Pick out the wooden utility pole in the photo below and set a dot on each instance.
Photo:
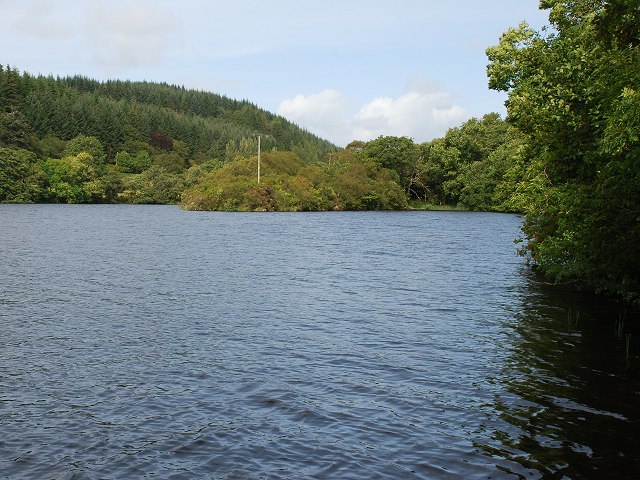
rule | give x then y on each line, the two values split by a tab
258	158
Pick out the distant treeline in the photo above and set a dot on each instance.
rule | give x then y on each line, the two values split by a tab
477	166
77	140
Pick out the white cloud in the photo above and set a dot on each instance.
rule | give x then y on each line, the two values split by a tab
422	115
40	20
322	113
131	35
424	112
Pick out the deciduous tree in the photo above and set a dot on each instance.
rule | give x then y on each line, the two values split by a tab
574	90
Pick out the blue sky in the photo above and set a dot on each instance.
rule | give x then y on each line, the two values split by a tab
343	69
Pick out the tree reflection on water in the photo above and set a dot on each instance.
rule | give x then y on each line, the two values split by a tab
571	408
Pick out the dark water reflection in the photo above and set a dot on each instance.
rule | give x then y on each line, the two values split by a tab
572	399
148	342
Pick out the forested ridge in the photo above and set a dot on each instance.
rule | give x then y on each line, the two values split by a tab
117	112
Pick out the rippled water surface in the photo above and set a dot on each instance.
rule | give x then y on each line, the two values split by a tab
143	341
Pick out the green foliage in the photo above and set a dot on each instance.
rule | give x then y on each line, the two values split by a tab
128	163
51	146
110	184
88	146
523	180
154	186
483	149
362	186
289	184
465	167
195	173
486	185
18	176
72	179
395	153
245	147
170	162
85	144
436	169
10	89
477	138
15	132
574	93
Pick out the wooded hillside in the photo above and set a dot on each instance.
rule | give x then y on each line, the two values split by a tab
130	116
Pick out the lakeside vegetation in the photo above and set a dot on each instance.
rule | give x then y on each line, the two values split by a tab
75	140
574	93
567	156
465	170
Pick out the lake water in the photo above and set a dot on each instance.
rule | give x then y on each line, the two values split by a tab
144	341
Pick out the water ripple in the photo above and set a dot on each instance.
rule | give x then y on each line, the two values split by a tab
149	342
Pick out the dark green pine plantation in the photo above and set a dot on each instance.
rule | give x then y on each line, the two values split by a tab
121	112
